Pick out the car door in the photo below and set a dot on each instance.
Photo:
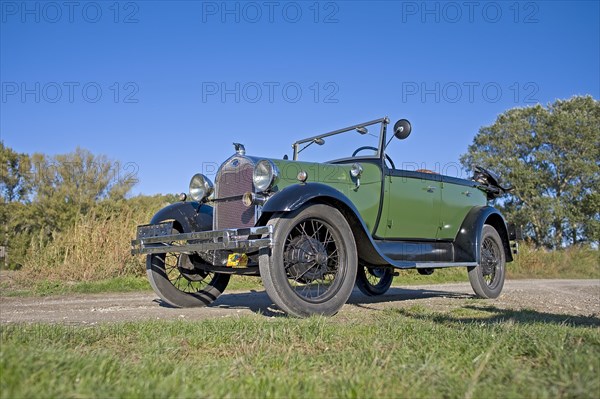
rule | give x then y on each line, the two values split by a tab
411	207
458	198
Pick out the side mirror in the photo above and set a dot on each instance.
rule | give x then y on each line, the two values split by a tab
402	129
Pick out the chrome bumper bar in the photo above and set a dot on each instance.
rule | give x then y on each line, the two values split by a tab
153	239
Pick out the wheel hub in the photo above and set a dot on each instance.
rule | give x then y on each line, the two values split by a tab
307	259
378	272
188	270
489	262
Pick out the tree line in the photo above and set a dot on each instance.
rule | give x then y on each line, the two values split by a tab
42	196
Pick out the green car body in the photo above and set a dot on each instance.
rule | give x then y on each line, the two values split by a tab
314	230
420	203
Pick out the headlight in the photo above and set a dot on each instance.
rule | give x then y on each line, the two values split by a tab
200	187
265	175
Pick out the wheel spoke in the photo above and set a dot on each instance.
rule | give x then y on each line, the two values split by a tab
185	279
490	261
328	238
305	272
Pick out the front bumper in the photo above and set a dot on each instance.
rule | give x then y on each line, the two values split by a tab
158	238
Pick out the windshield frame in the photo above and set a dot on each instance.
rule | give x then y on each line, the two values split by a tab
382	136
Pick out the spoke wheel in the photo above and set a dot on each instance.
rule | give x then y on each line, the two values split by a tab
311	268
487	279
179	283
373	281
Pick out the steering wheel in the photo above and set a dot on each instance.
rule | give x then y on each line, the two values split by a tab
368	147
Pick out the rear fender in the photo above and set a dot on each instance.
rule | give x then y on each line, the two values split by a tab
467	244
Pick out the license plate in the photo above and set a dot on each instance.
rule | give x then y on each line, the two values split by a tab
154	230
237	260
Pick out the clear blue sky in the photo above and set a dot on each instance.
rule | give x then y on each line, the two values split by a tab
143	82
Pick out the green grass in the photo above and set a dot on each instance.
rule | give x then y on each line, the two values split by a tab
46	287
132	284
117	284
475	351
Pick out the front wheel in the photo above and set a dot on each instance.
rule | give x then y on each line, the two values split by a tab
311	267
487	279
179	283
373	281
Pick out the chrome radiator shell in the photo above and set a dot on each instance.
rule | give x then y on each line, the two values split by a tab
233	180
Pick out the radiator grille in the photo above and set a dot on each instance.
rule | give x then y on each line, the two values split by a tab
232	181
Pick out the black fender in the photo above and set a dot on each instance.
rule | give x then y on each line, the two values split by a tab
293	197
467	244
189	216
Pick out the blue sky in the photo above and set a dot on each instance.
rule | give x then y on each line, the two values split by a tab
166	87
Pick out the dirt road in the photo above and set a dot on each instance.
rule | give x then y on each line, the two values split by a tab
553	297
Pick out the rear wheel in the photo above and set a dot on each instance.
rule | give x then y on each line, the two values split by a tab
373	281
179	283
311	268
487	279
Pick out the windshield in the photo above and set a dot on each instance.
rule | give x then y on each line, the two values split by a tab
342	145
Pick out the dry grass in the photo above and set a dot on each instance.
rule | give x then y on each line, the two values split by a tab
96	248
572	262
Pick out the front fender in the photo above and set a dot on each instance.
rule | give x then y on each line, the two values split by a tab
190	216
293	197
467	244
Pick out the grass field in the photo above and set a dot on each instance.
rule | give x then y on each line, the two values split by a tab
475	351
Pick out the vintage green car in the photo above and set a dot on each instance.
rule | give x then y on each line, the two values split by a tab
314	230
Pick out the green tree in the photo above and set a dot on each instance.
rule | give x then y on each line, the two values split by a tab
15	186
14	174
66	186
551	155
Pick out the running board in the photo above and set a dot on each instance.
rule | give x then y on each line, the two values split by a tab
436	265
429	265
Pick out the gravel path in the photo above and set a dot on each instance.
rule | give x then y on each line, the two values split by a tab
553	297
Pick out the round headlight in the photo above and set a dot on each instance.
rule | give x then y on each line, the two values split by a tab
265	175
200	187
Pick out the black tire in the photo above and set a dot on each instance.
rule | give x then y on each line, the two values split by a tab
487	279
374	281
177	282
311	268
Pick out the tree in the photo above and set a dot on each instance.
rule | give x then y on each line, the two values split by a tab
14	174
65	186
551	155
15	186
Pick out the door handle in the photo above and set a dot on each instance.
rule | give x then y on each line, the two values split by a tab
430	189
467	193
